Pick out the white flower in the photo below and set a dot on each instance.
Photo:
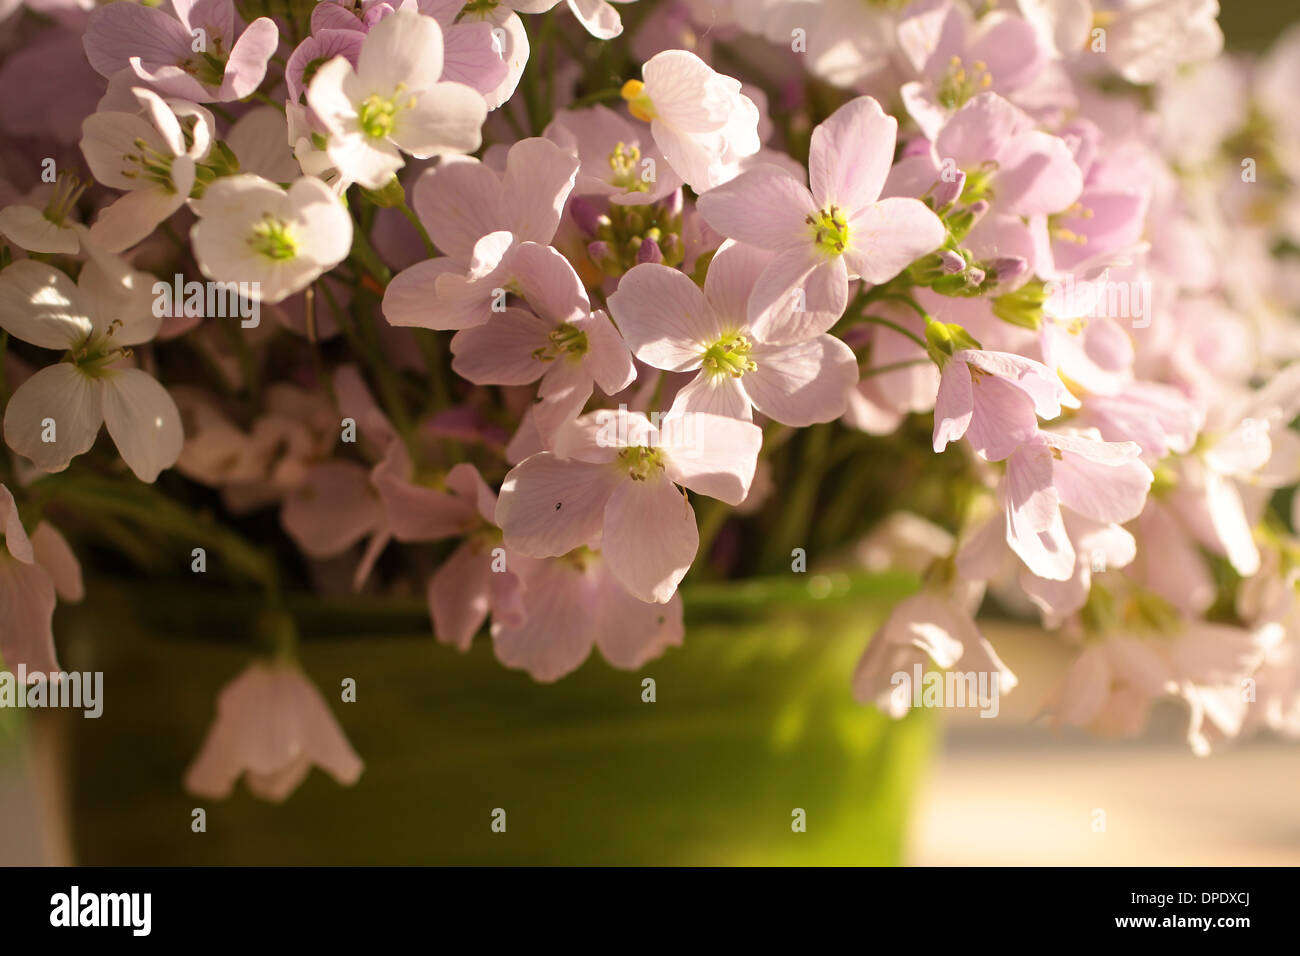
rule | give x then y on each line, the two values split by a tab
250	230
699	119
152	154
56	414
393	102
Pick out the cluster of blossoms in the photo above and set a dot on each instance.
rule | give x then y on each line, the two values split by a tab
541	283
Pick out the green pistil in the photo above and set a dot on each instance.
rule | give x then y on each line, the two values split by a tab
567	339
271	238
624	162
641	462
959	85
830	230
478	8
376	116
729	356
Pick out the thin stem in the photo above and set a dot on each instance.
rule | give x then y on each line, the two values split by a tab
908	301
901	330
414	220
263	98
893	367
600	96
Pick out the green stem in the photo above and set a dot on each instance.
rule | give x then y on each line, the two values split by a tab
263	98
600	96
414	220
893	367
901	330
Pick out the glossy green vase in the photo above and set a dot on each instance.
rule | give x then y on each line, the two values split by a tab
752	729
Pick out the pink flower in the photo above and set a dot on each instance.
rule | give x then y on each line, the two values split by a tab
561	341
830	234
1103	482
1111	685
958	56
481	576
615	159
160	47
995	399
32	571
272	725
574	602
475	216
672	325
617	476
926	628
1022	170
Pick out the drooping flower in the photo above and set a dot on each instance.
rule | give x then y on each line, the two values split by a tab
825	236
394	102
272	726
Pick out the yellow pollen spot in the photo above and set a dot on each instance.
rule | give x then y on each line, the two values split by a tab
638	104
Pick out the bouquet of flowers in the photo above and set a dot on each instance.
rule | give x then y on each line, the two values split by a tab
540	308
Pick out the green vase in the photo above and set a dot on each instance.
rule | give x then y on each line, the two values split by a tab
752	722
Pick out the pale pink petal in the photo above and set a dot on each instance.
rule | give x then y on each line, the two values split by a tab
714	395
550	505
764	206
333	510
411	298
501	351
608	360
954	406
850	156
800	295
650	537
664	317
538	179
888	236
803	383
547	282
712	455
460	202
53	553
26	611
